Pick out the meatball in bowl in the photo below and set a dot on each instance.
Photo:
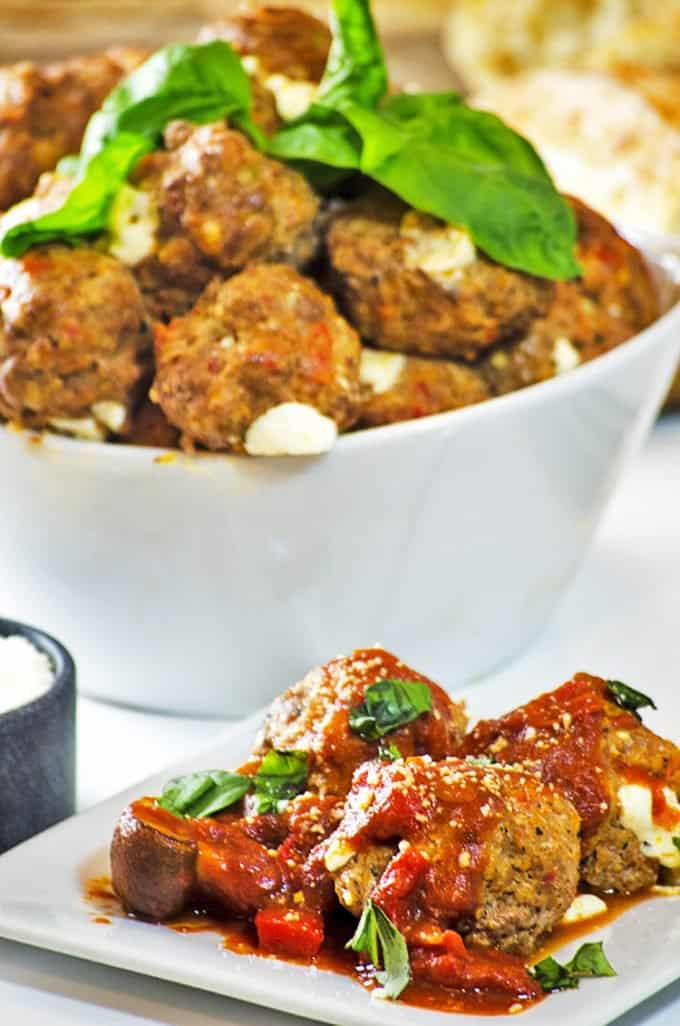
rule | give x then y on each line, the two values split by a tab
264	407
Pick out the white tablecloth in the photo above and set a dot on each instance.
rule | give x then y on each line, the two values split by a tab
620	617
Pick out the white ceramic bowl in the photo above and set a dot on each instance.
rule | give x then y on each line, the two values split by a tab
205	585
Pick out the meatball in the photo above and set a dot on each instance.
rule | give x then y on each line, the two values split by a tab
398	387
488	851
285	51
613	300
411	283
44	111
211	204
285	40
622	778
74	341
313	716
262	364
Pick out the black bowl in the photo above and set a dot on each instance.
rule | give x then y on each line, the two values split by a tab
37	748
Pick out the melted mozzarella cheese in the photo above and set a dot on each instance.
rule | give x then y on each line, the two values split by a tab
110	413
584	906
86	428
441	251
636	815
291	429
292	97
380	371
132	226
338	855
565	356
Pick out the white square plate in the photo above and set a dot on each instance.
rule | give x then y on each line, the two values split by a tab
42	884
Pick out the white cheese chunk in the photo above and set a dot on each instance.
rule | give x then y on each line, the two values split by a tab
380	371
565	356
110	413
441	251
133	223
86	428
636	815
292	97
338	855
291	429
584	906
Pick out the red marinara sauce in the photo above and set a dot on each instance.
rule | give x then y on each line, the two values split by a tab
562	733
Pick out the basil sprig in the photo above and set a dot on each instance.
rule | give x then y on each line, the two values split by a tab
387	705
589	961
628	698
202	83
203	794
281	776
379	938
388	752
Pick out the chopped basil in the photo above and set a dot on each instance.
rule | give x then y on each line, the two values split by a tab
676	842
388	705
379	938
628	698
589	961
204	794
280	777
388	752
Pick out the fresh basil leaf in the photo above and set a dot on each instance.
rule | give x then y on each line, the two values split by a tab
356	67
676	842
200	83
280	777
321	136
379	938
389	752
200	795
628	698
469	169
86	208
590	960
552	976
388	705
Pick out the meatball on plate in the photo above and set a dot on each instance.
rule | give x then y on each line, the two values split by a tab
360	835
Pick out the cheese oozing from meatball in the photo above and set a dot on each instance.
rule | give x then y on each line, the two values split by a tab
441	251
291	429
380	371
292	96
656	842
584	906
133	223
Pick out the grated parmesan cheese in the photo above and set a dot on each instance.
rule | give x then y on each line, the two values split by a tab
25	673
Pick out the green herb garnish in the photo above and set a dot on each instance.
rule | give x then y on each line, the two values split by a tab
388	752
676	842
589	961
201	83
281	776
628	698
200	795
377	936
388	705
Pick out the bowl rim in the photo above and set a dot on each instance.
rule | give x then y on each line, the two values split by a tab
656	333
63	665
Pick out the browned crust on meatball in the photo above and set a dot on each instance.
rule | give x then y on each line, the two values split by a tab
425	386
264	337
313	716
221	204
400	307
44	112
285	40
73	331
613	300
152	873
